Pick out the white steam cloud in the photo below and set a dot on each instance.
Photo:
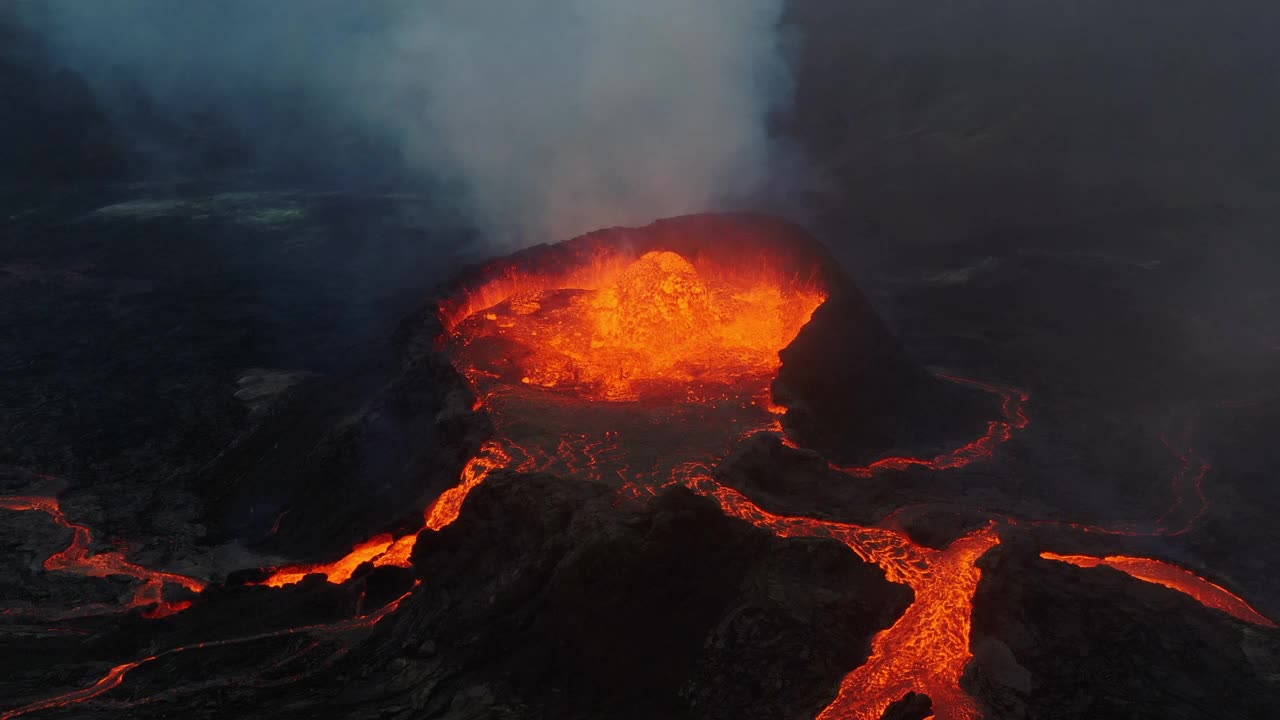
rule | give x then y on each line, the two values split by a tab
552	118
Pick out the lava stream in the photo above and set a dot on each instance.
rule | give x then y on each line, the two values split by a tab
116	675
927	649
1013	404
383	549
675	356
76	558
1173	577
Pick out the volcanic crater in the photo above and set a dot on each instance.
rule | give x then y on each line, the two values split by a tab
646	472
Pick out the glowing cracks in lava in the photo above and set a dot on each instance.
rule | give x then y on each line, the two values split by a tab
76	558
116	675
1194	470
927	649
1173	577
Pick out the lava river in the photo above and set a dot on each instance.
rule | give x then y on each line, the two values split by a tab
641	371
676	360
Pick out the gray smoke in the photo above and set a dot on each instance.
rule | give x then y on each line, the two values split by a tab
549	118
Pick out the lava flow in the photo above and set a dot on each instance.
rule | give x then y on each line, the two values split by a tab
665	332
640	364
927	649
693	348
657	339
1013	403
116	675
1173	577
382	550
76	558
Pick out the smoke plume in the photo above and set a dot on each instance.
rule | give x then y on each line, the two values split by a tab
547	119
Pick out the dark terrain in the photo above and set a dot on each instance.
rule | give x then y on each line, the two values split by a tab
1082	223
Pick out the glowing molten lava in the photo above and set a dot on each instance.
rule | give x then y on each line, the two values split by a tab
659	327
383	550
1173	577
927	649
640	363
662	343
116	675
76	558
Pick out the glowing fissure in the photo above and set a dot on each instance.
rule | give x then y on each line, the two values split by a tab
77	558
1173	577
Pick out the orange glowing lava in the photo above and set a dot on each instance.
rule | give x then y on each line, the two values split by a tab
1173	577
654	336
658	327
382	550
77	558
639	364
1013	403
116	675
927	649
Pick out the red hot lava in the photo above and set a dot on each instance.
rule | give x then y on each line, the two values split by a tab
615	340
671	342
664	335
1173	577
117	674
77	558
927	649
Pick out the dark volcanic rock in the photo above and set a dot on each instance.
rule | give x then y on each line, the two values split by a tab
339	458
849	388
345	456
912	706
545	601
1055	641
852	393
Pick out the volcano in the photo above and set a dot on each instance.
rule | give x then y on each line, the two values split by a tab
678	471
